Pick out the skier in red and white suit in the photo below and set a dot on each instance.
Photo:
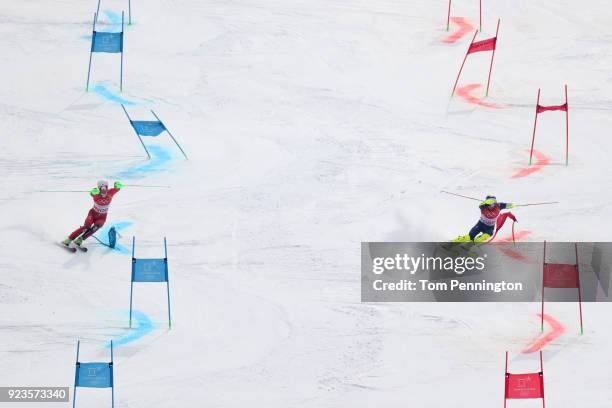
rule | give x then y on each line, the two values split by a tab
102	197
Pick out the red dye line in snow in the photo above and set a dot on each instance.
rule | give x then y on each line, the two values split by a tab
540	342
541	161
510	252
465	92
464	27
518	235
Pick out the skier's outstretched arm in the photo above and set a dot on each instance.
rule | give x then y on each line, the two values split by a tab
116	187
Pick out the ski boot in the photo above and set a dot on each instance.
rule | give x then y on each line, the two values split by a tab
462	238
484	237
66	242
78	242
471	247
455	246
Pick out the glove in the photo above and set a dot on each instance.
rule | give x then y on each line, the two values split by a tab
118	185
490	201
510	205
95	191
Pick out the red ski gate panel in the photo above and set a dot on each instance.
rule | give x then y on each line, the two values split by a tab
484	45
540	109
561	276
490	44
521	386
524	386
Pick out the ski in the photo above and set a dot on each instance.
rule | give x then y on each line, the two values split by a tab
451	248
81	248
68	248
461	248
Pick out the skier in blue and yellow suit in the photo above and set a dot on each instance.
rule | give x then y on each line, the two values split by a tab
485	227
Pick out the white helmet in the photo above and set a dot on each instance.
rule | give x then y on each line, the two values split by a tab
102	183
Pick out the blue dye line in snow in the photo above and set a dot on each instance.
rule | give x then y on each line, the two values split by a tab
160	157
107	94
143	326
102	236
114	18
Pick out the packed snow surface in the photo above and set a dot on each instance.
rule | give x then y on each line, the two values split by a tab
310	126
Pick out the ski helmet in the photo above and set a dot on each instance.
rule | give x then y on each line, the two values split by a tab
102	183
489	197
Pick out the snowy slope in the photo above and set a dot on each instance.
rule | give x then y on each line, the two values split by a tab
310	126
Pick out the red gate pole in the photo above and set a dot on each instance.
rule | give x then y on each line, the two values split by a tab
506	380
579	294
480	15
463	63
566	128
492	56
448	16
543	271
541	377
535	122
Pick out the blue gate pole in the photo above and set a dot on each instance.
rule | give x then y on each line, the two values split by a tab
139	138
167	283
179	146
112	378
76	375
129	12
93	39
132	278
121	73
131	291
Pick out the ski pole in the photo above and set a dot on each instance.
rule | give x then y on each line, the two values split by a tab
101	243
61	191
459	195
545	203
145	186
518	205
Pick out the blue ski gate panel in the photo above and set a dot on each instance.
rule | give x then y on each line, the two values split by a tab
107	42
148	127
94	375
149	270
